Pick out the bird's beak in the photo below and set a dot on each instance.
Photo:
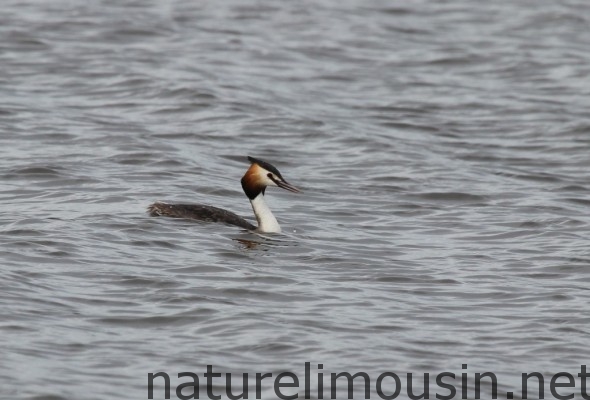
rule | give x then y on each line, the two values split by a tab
287	186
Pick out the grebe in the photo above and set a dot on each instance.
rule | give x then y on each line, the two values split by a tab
254	182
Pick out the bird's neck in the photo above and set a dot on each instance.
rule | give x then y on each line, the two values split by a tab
267	223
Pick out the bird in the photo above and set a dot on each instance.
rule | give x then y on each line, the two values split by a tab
258	177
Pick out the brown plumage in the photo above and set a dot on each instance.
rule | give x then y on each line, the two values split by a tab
252	182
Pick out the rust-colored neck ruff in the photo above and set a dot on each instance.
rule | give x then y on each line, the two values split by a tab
253	181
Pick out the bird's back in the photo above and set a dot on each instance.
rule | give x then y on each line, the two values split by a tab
199	212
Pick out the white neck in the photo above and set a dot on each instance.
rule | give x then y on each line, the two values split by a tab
267	223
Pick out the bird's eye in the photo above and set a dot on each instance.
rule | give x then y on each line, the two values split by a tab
269	175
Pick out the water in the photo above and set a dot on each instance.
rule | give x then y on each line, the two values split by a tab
444	153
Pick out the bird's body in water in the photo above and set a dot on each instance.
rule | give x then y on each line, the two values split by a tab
257	178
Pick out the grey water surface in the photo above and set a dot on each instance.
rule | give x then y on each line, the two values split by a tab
443	148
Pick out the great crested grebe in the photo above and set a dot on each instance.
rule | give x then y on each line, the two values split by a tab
254	182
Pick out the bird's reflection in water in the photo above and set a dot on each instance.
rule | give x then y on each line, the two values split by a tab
262	242
248	243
